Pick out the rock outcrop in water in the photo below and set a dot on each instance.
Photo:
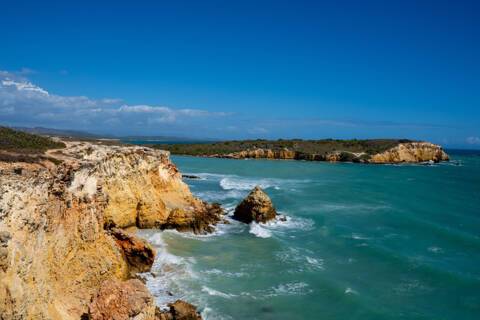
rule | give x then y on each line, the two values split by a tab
256	207
179	310
63	253
411	153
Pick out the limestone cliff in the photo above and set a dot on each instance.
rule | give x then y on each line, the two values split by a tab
411	152
258	153
58	244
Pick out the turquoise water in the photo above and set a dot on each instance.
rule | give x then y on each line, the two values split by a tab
361	242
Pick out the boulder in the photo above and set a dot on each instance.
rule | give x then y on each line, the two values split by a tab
202	222
122	300
138	253
256	207
179	310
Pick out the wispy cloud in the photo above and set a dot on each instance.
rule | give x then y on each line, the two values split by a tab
473	140
25	103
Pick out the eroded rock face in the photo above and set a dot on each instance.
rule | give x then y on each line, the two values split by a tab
138	253
256	207
202	222
56	247
259	153
122	300
411	152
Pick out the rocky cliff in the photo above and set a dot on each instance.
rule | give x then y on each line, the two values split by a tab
61	237
409	152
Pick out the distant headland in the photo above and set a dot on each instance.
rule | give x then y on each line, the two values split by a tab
361	151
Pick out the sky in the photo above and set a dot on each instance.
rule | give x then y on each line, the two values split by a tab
244	69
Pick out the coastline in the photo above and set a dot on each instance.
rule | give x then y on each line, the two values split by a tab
82	210
387	151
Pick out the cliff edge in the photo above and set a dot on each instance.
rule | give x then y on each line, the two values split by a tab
61	237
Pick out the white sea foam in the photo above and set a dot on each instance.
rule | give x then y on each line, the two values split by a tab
221	273
316	263
211	314
292	288
169	272
238	183
284	222
358	236
219	229
280	225
300	260
435	249
216	196
217	293
259	230
350	291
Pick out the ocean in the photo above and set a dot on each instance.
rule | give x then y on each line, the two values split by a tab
360	242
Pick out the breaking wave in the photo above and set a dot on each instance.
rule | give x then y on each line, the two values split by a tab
280	225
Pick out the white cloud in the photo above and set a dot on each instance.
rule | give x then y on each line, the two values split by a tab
26	104
473	140
23	86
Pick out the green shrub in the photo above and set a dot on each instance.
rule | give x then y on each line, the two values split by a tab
13	140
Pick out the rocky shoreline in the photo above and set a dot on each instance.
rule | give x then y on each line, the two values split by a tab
68	248
411	152
375	151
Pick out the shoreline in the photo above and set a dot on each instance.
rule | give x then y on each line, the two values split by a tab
420	163
401	152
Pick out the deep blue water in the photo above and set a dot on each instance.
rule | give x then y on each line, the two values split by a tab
361	242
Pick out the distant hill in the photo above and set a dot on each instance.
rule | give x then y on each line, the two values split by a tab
163	139
59	132
321	147
82	135
19	141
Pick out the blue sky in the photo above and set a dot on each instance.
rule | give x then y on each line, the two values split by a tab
245	69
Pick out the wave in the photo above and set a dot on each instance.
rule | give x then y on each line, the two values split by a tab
218	196
350	291
237	183
280	225
287	289
221	273
259	231
168	273
217	293
220	229
300	260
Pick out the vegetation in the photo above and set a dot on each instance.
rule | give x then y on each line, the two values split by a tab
320	147
22	142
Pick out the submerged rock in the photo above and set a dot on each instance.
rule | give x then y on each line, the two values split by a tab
190	176
256	207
